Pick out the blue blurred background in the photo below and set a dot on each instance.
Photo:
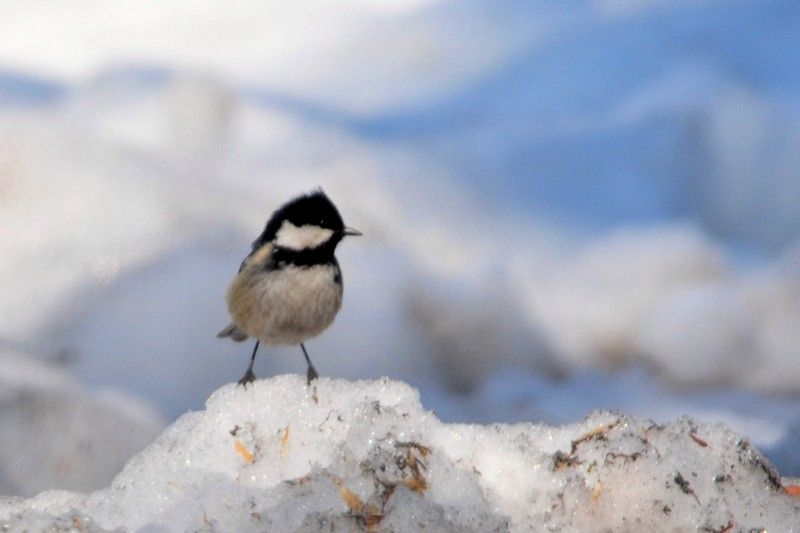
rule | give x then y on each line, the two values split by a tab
568	205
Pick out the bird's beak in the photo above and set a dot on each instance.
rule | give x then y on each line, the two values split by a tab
350	232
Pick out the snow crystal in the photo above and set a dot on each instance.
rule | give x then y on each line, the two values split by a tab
345	455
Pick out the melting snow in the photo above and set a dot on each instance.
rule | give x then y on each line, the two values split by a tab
365	455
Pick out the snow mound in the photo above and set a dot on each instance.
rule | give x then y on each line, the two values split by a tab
592	305
346	456
54	434
735	331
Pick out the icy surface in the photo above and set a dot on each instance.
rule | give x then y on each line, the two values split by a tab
346	455
57	435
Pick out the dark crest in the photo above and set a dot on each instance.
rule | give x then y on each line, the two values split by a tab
309	209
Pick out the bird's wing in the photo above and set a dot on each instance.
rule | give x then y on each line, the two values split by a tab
260	255
245	261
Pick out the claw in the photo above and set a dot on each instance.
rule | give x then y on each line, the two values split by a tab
248	377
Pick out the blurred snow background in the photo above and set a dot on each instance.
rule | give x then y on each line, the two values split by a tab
567	205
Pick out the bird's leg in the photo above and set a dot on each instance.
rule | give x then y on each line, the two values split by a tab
249	377
311	373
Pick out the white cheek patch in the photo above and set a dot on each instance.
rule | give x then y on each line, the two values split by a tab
302	237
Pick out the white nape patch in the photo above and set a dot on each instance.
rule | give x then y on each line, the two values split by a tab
302	237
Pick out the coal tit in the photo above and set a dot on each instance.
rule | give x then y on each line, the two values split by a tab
289	288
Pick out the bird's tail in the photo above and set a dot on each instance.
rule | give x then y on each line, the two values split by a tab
233	331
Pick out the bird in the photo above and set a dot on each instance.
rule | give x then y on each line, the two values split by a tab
289	287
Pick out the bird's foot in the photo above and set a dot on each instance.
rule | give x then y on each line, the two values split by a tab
311	375
248	377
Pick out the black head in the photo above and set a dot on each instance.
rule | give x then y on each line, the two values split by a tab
312	213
